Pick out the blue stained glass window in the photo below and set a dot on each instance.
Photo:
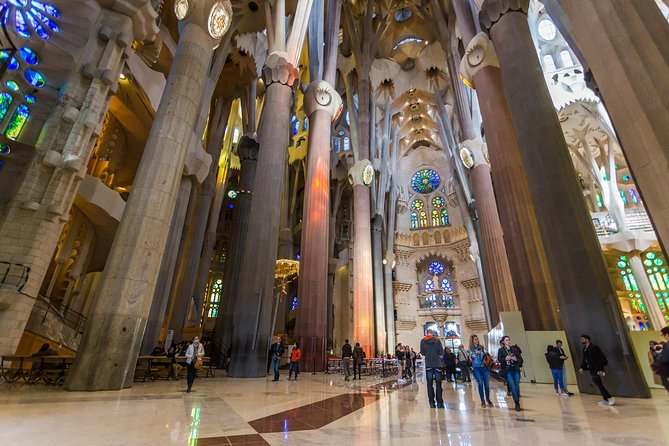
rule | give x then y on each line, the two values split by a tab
295	125
438	202
293	305
4	14
436	268
18	121
444	217
634	196
45	7
47	21
35	78
12	85
5	101
446	285
429	285
29	55
21	27
13	64
5	149
335	144
1	163
425	181
39	29
30	99
347	144
306	124
414	220
19	3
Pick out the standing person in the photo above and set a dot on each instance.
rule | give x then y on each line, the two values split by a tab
346	354
556	364
563	355
295	357
430	349
594	361
413	361
276	352
476	353
399	353
194	353
510	362
660	353
449	362
358	360
463	363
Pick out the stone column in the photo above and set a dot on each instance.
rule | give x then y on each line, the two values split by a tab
33	219
624	43
496	268
531	275
379	295
247	149
118	319
588	303
322	103
652	306
253	305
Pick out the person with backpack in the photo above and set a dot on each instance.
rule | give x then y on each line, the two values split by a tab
358	360
510	362
660	353
556	363
430	349
594	361
476	355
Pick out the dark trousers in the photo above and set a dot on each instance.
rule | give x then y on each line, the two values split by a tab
600	385
294	368
192	372
434	377
462	365
665	381
357	366
276	362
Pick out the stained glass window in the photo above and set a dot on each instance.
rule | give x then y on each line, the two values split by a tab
215	298
30	16
435	217
438	202
414	220
446	285
549	63
5	101
12	85
417	205
2	162
436	268
19	119
12	64
407	40
5	149
347	144
29	55
429	286
335	144
566	59
422	219
444	217
622	195
425	181
547	29
599	200
305	126
295	125
35	78
293	304
634	196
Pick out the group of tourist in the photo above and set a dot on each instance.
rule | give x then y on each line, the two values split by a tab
406	362
355	354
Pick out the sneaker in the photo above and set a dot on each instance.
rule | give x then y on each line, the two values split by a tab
603	403
490	404
569	393
558	394
483	404
611	401
565	394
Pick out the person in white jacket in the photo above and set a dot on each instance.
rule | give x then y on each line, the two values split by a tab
194	352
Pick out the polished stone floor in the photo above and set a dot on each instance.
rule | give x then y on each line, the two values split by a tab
318	410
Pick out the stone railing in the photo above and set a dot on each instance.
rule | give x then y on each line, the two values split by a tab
439	300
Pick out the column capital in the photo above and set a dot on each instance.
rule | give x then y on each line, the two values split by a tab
320	95
279	69
480	53
213	16
493	10
474	153
247	149
361	174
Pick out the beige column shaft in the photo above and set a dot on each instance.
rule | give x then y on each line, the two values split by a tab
657	319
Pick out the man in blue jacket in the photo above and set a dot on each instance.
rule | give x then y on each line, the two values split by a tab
431	349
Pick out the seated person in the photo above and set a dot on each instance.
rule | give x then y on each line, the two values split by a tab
159	350
45	350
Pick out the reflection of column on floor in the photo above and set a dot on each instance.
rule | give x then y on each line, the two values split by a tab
117	323
588	302
652	306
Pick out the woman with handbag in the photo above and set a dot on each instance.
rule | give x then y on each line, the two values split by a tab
478	357
194	355
511	362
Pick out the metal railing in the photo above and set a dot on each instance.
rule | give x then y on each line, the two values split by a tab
439	300
13	275
70	318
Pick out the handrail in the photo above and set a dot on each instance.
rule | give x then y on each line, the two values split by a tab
69	317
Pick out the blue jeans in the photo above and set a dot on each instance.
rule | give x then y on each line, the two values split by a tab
558	379
434	375
294	368
564	377
513	381
275	366
482	379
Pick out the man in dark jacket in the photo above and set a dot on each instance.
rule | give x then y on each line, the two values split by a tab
431	349
594	361
276	352
346	353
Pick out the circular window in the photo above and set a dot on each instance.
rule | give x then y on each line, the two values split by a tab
547	29
436	268
35	78
425	181
402	15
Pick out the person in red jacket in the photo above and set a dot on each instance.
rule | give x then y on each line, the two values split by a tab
295	356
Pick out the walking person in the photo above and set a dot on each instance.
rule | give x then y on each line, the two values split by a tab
346	354
558	346
194	355
358	360
476	354
276	352
463	363
556	364
430	349
295	357
449	362
510	363
594	362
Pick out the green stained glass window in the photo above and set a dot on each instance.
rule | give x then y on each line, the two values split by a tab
417	205
215	298
422	219
425	181
414	220
18	121
435	217
5	101
438	202
444	217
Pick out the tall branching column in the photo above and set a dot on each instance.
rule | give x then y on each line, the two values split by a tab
588	302
117	322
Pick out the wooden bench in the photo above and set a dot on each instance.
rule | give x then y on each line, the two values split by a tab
50	370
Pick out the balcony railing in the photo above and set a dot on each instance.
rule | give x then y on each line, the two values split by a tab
70	318
439	300
13	275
